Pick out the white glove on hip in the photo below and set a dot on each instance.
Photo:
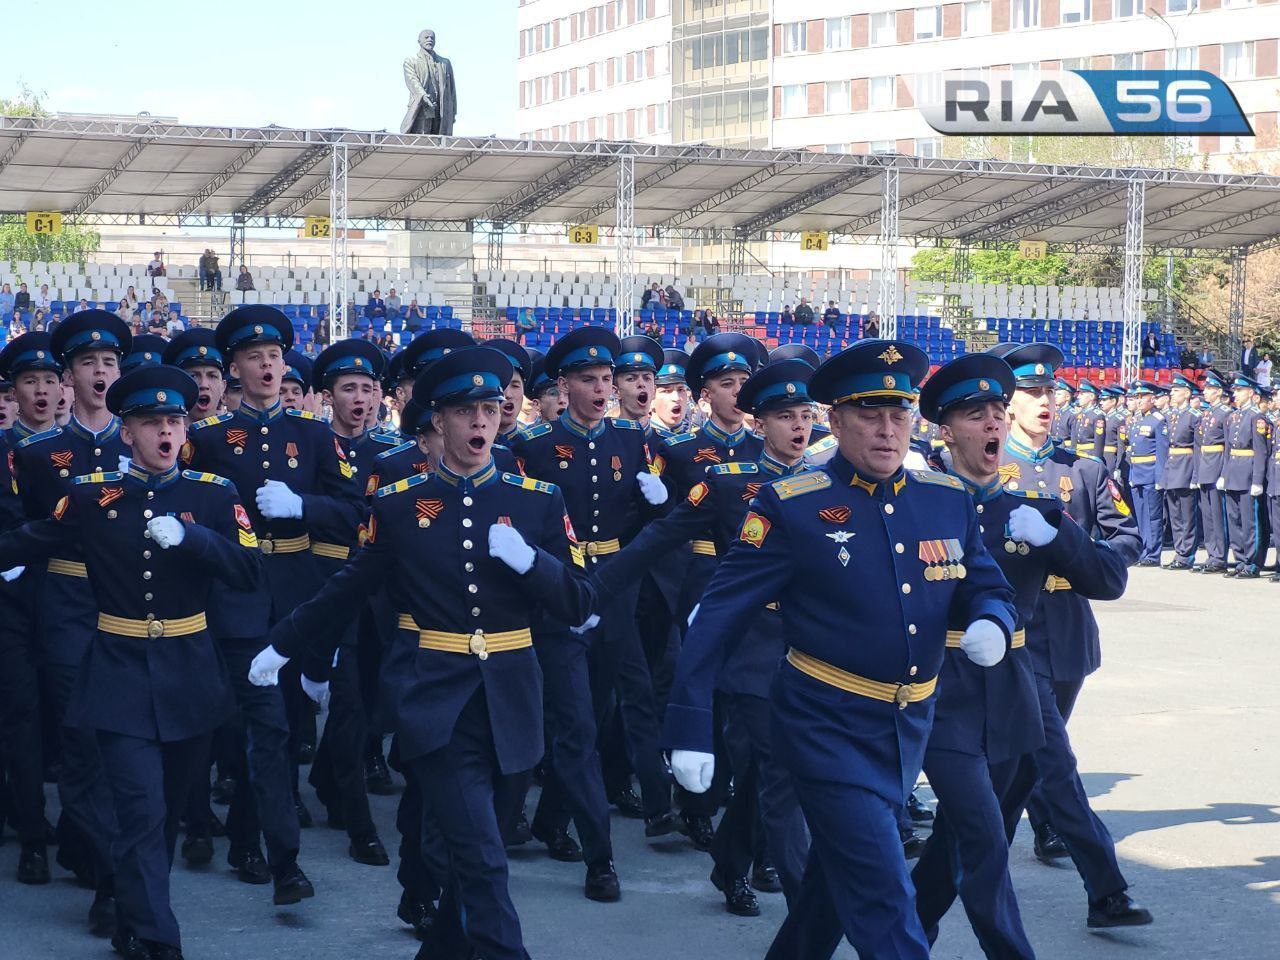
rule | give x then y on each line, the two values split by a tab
1222	483
983	643
652	489
265	669
592	622
166	531
1026	523
12	574
317	692
506	544
1255	490
693	769
277	502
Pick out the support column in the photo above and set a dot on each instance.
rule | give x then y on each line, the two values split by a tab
1235	314
887	301
625	237
493	250
339	263
1130	357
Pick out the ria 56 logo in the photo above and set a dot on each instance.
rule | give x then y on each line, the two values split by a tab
1109	102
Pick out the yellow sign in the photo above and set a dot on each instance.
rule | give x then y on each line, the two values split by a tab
44	221
814	240
584	233
317	228
1033	249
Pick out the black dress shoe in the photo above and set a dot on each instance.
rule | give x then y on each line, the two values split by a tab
249	864
738	898
1249	572
305	820
912	845
33	866
561	846
102	914
370	852
519	834
197	851
1177	565
377	776
699	830
1213	568
602	883
420	916
1049	846
1231	572
1275	577
216	827
163	951
918	811
660	825
292	886
129	946
764	877
222	791
628	803
1118	910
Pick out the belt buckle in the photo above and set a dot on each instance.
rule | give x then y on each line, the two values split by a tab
477	645
155	629
592	548
266	546
902	696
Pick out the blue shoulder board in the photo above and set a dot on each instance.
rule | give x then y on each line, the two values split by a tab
671	441
528	483
400	486
734	467
537	430
390	439
99	476
210	421
37	437
405	445
821	446
940	479
789	487
304	414
626	424
1031	494
206	477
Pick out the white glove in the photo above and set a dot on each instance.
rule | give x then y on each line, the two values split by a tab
317	692
166	531
693	769
1160	487
277	502
1027	524
13	574
1255	490
506	544
983	643
265	669
1222	483
693	613
652	489
593	621
123	464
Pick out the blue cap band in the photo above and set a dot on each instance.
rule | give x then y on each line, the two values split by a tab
257	332
870	385
793	391
672	370
465	383
293	373
194	356
726	361
34	360
1028	371
978	388
95	339
636	361
592	356
153	398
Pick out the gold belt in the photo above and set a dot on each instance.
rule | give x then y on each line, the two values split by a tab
1019	639
1180	451
598	548
335	551
1084	447
154	629
1144	459
1212	448
478	642
1053	584
68	568
290	545
771	606
1242	453
1109	449
704	548
899	693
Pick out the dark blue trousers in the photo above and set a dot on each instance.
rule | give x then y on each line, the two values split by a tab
337	772
855	884
968	853
573	785
1148	509
1065	694
1213	519
423	860
21	747
1242	526
150	783
1181	506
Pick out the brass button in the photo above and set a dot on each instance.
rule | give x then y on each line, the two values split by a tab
593	461
466	521
906	588
913	671
264	430
466	501
911	629
147	534
594	478
979	508
898	548
888	508
591	445
97	451
155	629
595	496
594	528
151	616
147	514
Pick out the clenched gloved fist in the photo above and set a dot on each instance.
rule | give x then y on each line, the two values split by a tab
652	489
693	769
277	502
265	669
592	622
123	464
1255	490
1027	524
166	531
8	576
317	692
983	643
506	544
1222	483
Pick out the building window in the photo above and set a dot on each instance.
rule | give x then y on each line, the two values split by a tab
977	17
882	93
1127	8
660	119
1024	75
1182	6
839	33
884	29
795	37
638	69
1127	61
928	88
838	97
546	36
1182	58
928	23
835	148
795	100
1237	61
1237	3
929	147
1076	11
1026	14
883	146
1074	63
619	69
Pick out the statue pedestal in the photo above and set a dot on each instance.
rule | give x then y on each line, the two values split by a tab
436	250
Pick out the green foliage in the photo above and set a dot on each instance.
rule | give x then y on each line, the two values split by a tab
74	244
26	103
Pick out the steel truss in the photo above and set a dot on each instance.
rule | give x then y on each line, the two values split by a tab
625	239
1130	359
339	263
887	302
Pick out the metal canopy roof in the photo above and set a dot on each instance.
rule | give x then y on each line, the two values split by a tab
114	171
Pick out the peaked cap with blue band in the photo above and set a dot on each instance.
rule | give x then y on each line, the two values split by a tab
517	354
637	354
429	347
90	330
973	378
795	351
583	347
871	373
250	325
152	389
775	385
31	351
196	347
148	351
463	376
719	353
1034	364
674	363
297	368
347	356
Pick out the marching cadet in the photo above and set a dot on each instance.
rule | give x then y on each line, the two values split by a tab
545	393
1148	443
152	686
28	361
1112	450
1210	454
1273	485
635	379
1062	637
301	480
513	402
146	350
1089	423
1248	436
467	694
829	547
1063	427
295	384
8	406
89	345
987	719
1181	421
671	393
196	352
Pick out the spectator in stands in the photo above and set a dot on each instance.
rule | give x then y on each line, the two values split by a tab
16	325
674	300
160	301
244	279
54	321
82	305
387	344
1151	345
653	329
352	314
37	321
706	321
831	315
651	297
125	311
322	331
1262	372
414	318
174	325
156	267
376	307
42	300
6	301
22	299
132	296
787	315
210	274
156	324
1206	358
526	323
1248	355
136	325
690	342
871	329
393	303
804	312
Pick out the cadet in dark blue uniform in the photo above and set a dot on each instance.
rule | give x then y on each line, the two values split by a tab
147	350
196	352
849	721
1178	478
1211	434
671	393
1248	437
1110	453
152	685
1273	483
469	554
1062	427
1146	452
295	385
1089	423
513	396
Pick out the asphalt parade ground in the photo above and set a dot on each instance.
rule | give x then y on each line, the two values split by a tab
1177	742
